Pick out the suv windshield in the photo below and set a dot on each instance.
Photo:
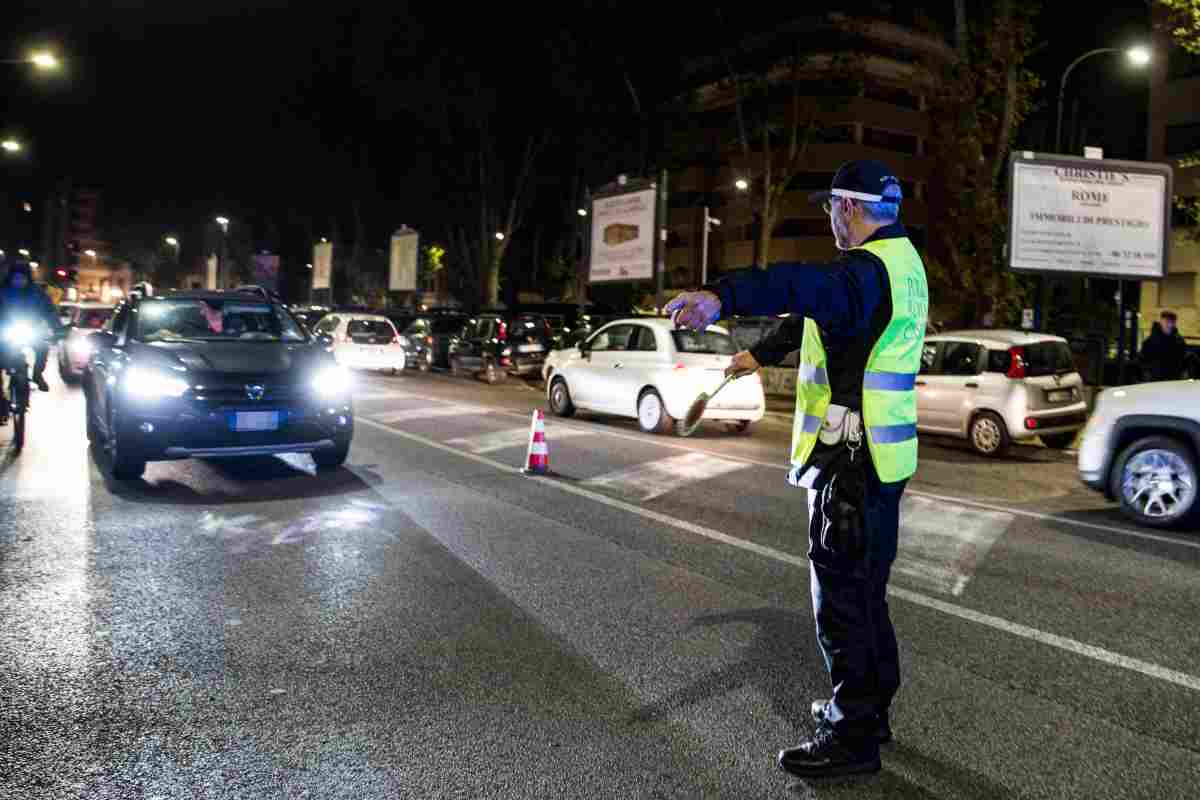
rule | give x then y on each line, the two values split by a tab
704	342
214	320
1048	358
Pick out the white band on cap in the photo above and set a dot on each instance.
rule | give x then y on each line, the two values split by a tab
870	198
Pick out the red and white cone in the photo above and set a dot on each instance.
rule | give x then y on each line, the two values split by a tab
537	457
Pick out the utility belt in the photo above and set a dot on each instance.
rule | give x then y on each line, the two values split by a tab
841	425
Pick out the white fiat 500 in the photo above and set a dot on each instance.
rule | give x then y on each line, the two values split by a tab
363	341
645	369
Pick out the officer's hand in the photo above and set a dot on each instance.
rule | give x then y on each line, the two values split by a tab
695	310
742	362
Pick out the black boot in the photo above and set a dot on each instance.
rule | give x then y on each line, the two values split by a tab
882	733
827	755
39	380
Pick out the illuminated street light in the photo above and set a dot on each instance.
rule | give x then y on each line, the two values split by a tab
34	265
90	253
581	212
499	236
24	252
44	60
324	240
741	184
1138	55
11	146
308	265
224	223
172	241
27	208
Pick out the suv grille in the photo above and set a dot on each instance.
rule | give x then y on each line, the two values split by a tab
226	396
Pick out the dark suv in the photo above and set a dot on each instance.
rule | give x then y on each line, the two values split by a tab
212	374
493	345
427	338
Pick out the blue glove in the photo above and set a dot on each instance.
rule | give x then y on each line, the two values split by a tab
695	310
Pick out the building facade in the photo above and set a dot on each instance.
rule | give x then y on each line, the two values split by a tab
880	112
1174	137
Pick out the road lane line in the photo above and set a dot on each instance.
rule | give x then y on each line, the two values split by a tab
512	437
427	412
602	430
1092	652
652	479
941	547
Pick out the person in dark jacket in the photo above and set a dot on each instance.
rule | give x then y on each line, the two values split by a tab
1164	352
21	297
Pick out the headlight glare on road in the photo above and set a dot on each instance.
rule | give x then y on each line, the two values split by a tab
149	384
19	334
331	382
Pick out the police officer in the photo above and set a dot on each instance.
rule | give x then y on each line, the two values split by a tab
859	324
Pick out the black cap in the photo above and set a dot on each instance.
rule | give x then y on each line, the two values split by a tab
860	180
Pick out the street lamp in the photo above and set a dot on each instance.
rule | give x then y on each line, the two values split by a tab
499	236
224	223
11	146
1138	56
172	241
24	252
709	222
741	184
90	254
581	212
44	60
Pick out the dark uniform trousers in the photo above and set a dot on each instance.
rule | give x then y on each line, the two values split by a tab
849	596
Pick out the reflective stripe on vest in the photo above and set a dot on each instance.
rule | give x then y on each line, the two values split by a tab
889	397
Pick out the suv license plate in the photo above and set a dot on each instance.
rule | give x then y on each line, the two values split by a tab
530	348
1061	396
256	421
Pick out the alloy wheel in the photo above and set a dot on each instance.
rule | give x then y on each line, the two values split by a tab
650	411
1158	484
985	435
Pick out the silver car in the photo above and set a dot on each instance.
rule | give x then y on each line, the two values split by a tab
993	387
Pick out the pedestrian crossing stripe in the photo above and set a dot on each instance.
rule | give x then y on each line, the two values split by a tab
429	412
655	478
513	437
942	545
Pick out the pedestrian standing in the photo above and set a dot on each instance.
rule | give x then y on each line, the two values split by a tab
1164	352
859	324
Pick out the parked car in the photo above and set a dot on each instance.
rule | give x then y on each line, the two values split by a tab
309	317
645	369
400	319
993	387
1141	448
493	345
363	341
212	374
426	340
81	320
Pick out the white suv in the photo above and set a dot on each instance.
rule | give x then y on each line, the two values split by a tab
1141	448
994	387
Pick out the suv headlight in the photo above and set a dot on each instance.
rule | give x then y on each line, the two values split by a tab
150	384
20	334
331	382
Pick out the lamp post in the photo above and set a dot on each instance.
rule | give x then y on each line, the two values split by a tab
11	146
223	222
42	60
709	222
1139	56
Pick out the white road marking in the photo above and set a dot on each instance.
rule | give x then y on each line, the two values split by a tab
601	430
513	437
654	478
997	623
942	545
429	412
386	395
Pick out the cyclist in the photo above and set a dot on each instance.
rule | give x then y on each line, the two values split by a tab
20	298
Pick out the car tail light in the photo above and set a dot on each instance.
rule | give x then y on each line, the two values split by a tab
1031	423
396	340
505	361
428	340
680	365
503	332
1017	368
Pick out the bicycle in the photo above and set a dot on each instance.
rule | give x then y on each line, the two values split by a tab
18	337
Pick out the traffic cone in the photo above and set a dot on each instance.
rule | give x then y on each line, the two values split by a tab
537	457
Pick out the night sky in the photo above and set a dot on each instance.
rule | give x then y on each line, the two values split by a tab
279	115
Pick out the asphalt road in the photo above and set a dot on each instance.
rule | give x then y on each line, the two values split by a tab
427	622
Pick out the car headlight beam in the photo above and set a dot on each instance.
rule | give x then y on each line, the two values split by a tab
20	334
331	381
149	384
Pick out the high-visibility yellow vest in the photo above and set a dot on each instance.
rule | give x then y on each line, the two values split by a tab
889	398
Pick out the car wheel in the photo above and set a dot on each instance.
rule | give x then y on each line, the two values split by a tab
401	365
125	465
1058	441
93	430
560	399
455	367
425	362
491	374
741	426
988	435
652	414
332	458
1155	481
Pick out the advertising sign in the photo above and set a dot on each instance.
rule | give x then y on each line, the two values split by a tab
623	237
402	275
266	271
1089	217
210	276
322	271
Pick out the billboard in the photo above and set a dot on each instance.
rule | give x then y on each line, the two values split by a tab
623	237
1089	216
266	271
402	274
322	272
210	273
